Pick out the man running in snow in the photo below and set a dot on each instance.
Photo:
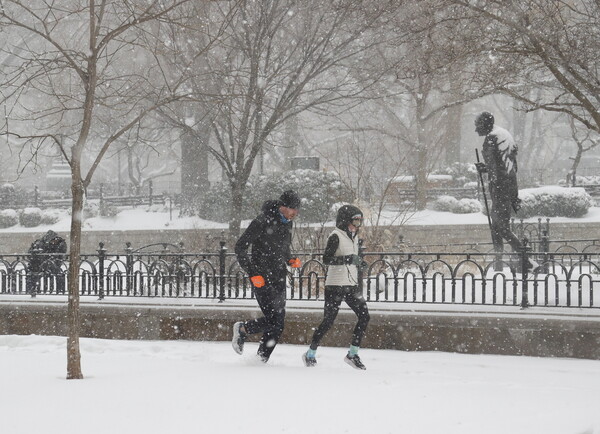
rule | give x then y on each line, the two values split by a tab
270	235
341	284
500	156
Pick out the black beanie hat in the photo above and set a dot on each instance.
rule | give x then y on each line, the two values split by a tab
290	199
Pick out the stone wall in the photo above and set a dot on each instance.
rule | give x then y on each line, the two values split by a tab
559	333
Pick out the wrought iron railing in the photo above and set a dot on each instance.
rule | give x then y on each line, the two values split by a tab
561	279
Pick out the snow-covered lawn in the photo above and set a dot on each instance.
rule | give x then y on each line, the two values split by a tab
141	219
180	387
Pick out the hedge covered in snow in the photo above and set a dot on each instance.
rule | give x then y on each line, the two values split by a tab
554	201
8	218
549	201
455	206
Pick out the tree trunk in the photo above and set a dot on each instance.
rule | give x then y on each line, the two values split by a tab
194	168
452	136
421	158
73	313
421	178
235	218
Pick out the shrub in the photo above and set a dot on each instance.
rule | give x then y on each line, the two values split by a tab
444	203
8	218
30	217
451	204
467	206
50	216
108	210
553	201
318	190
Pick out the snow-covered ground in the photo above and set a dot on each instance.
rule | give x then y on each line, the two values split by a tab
204	387
141	219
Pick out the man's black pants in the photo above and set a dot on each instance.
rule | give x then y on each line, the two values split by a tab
334	295
271	300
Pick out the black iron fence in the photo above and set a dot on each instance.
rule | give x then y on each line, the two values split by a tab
562	279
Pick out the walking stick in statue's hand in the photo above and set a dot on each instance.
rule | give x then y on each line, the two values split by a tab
487	208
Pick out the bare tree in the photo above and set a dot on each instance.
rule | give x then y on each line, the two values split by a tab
83	61
548	45
276	60
585	141
428	80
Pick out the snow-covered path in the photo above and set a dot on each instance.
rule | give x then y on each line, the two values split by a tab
179	387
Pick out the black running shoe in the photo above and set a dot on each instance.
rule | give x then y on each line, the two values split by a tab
239	337
309	362
355	362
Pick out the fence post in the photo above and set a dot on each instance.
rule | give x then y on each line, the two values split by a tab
128	266
150	191
101	196
222	252
36	196
101	256
361	256
544	249
524	254
34	275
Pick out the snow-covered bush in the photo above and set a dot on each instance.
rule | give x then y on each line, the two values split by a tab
8	218
318	190
50	216
554	201
453	205
467	206
108	210
30	217
444	203
93	209
90	210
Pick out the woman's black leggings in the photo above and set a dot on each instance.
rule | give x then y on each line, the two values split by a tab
334	295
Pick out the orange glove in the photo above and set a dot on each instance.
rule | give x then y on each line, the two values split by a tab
295	263
258	281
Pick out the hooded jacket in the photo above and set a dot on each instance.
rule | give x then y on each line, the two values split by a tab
270	239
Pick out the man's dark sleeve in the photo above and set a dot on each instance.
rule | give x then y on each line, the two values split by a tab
243	244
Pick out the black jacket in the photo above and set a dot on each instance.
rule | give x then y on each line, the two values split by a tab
270	239
51	242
